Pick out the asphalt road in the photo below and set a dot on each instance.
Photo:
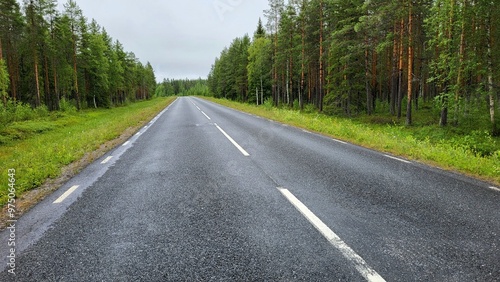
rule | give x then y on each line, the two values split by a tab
206	193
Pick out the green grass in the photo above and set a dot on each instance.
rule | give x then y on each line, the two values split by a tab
38	149
473	153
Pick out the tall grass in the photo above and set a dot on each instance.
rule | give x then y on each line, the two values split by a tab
39	148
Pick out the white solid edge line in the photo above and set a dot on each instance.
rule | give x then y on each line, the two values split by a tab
495	188
245	153
398	159
66	194
359	263
340	141
126	143
205	115
107	160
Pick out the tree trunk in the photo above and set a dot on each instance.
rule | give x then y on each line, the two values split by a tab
444	110
290	68
410	67
320	102
56	90
14	74
275	70
491	90
1	58
287	83
400	72
394	74
302	75
373	84
309	88
369	102
48	98
261	91
75	74
461	56
257	94
37	79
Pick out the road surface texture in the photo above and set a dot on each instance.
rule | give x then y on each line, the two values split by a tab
206	193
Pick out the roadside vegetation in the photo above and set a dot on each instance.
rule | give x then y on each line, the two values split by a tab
66	88
38	143
472	152
349	57
414	79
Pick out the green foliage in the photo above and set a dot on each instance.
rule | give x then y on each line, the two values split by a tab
15	112
182	87
228	77
268	104
56	55
66	106
310	108
260	32
200	89
259	57
4	80
479	142
349	57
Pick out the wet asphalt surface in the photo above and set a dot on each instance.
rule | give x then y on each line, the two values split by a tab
179	202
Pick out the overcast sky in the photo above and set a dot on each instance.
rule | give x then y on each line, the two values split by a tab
181	39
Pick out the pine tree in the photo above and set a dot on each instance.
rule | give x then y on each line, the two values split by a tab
260	32
287	53
34	15
11	32
259	66
97	67
4	81
273	20
74	16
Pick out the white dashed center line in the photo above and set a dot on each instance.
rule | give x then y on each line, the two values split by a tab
359	263
66	194
206	115
245	153
107	160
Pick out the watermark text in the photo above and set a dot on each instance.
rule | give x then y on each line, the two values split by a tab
11	214
224	6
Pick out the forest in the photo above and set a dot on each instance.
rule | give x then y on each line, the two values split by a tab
363	57
48	57
182	87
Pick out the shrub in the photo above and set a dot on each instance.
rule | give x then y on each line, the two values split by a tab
310	108
268	104
66	106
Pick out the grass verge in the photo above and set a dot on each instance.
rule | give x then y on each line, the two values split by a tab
39	149
406	142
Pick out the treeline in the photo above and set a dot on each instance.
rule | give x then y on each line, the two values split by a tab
355	56
182	87
47	56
